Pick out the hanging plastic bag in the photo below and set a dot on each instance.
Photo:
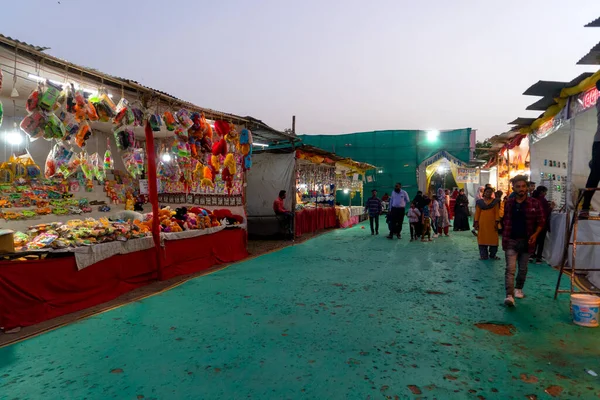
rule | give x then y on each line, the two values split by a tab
49	96
70	123
124	137
54	128
83	134
33	100
183	116
109	163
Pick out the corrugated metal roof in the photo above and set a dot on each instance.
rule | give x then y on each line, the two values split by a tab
594	24
553	88
34	47
521	121
262	130
592	57
542	104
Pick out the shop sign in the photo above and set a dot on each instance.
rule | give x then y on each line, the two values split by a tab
144	186
583	102
467	175
549	127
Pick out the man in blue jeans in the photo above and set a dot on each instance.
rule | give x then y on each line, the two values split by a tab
524	219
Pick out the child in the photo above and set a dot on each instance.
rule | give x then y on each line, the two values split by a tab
414	216
426	222
435	214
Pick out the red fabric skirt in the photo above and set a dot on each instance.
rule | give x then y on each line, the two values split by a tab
35	291
312	220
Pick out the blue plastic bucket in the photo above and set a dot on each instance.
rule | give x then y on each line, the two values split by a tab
584	309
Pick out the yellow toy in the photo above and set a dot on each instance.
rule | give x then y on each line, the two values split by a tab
207	181
230	163
129	202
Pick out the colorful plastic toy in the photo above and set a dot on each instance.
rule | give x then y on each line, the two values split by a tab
50	96
169	121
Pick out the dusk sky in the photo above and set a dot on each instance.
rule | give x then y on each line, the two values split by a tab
340	66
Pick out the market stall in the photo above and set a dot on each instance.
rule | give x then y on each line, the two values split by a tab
84	157
312	178
350	178
315	185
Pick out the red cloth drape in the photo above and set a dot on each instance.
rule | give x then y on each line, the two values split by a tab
312	220
35	291
186	256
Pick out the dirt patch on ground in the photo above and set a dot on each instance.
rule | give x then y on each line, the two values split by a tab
434	292
415	389
554	390
497	328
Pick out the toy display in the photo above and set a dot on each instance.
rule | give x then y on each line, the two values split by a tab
184	218
76	233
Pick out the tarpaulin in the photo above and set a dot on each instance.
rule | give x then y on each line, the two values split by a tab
270	173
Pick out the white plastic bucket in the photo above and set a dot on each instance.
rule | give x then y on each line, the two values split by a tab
584	308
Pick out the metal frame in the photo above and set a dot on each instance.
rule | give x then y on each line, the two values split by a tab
572	231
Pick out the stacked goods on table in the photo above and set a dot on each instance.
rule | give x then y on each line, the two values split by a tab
184	219
75	233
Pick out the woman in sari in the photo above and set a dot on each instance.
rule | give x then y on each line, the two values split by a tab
487	217
443	222
461	212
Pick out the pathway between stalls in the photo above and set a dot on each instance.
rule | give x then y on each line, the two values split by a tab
345	315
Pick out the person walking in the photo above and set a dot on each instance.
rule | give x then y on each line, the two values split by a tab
461	212
374	208
398	202
487	217
524	220
419	202
435	214
443	223
540	194
414	215
426	222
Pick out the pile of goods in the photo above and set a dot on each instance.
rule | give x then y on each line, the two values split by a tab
184	219
77	232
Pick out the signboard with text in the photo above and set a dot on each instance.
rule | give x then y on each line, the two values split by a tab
583	102
467	175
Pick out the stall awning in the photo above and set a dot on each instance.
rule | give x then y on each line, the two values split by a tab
553	88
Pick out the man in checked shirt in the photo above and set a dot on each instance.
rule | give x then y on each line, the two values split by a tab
524	219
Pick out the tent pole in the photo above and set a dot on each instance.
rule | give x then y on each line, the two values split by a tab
153	195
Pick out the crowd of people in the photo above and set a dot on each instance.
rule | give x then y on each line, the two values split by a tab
522	219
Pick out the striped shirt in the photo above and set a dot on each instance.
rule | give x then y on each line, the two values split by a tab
373	206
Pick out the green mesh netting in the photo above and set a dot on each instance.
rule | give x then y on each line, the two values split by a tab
397	154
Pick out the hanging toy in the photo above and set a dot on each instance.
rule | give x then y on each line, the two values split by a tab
207	131
169	121
155	122
208	180
232	135
222	128
83	134
54	128
124	137
183	116
71	125
138	116
228	179
109	163
33	170
33	100
49	96
219	148
6	174
215	162
230	163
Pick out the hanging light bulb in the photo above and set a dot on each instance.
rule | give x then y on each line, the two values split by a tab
166	157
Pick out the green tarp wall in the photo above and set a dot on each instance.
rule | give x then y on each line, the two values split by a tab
396	153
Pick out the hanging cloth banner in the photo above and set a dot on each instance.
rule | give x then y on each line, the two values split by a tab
443	154
467	175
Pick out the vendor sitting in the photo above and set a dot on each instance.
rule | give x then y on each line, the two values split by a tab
281	211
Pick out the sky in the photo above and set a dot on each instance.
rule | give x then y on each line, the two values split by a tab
340	66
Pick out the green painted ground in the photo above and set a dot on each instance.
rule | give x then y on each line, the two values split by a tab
343	316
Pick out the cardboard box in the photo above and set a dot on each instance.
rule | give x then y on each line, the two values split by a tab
7	241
